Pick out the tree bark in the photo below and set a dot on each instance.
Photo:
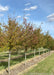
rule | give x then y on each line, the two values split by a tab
39	51
9	63
34	52
25	54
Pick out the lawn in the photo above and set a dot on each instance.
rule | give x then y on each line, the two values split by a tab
45	67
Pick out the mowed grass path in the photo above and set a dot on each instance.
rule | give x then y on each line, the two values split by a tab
44	67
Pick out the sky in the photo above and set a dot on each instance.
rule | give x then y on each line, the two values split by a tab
39	12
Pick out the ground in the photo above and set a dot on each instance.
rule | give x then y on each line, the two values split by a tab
46	66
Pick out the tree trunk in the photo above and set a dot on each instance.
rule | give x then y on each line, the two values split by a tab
34	52
9	63
25	54
43	50
39	51
25	58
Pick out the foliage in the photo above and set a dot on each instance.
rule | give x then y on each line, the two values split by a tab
17	37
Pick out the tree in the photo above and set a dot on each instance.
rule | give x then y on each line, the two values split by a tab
26	37
2	38
11	33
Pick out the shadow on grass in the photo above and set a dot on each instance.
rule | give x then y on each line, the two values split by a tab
3	65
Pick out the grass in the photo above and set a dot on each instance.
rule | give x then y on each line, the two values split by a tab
5	55
4	65
45	67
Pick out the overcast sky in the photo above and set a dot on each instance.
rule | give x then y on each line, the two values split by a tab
36	11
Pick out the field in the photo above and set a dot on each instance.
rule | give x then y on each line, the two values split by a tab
45	67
